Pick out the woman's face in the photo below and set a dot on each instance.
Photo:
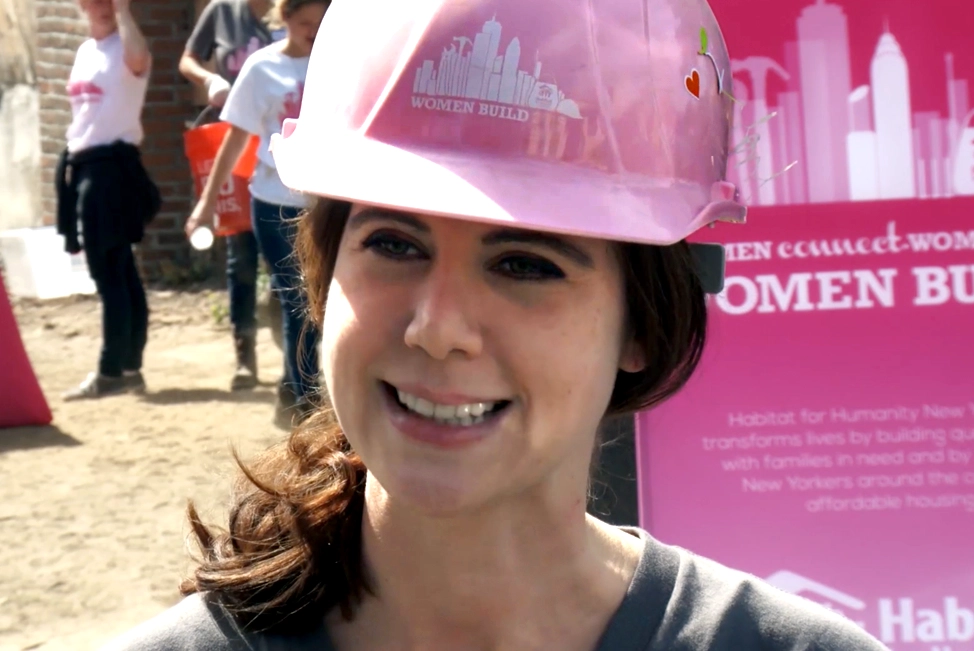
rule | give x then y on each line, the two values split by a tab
467	362
302	25
100	13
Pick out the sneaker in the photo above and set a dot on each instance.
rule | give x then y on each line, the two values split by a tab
285	403
96	386
290	411
288	419
303	410
134	382
245	377
286	398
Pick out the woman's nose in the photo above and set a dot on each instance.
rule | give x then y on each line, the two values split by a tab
444	319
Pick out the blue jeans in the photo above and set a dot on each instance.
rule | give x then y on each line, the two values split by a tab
241	265
275	230
242	283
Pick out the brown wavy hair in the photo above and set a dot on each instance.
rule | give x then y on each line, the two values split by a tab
292	551
284	9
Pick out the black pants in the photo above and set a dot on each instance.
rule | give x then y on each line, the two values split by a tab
125	312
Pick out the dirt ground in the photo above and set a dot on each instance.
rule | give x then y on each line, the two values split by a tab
92	508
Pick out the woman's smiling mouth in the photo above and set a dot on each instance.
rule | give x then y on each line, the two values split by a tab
444	425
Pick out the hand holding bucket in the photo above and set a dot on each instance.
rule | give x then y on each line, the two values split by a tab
232	213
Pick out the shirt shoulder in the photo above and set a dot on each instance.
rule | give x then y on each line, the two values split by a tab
214	19
263	67
224	8
86	46
194	624
678	601
717	608
268	56
198	623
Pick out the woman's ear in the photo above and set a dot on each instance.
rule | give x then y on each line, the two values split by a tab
633	358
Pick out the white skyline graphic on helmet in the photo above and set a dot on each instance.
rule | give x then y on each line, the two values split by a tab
481	73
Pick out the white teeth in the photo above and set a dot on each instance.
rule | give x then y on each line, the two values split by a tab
444	412
424	408
460	415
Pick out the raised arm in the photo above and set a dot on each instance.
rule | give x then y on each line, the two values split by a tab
135	49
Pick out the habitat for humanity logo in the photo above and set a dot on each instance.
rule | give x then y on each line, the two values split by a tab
478	80
900	620
818	592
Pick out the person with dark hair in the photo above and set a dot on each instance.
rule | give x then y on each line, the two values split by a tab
228	32
498	262
268	91
103	186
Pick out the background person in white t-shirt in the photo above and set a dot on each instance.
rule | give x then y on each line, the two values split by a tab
267	91
228	32
103	186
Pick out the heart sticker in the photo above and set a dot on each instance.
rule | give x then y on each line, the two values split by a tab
693	83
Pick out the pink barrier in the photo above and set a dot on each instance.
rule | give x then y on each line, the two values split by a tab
21	399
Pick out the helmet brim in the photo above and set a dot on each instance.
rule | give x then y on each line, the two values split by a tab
532	194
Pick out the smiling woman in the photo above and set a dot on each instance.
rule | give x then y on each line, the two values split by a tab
488	292
493	311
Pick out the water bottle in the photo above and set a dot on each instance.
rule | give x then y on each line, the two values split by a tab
201	239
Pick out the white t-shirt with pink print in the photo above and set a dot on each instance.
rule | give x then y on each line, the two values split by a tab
268	91
106	97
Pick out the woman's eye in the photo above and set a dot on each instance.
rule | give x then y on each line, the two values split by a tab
391	246
524	267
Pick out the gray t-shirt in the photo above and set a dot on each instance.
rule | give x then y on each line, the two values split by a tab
677	602
228	29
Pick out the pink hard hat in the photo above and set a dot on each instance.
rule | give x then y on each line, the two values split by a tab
606	119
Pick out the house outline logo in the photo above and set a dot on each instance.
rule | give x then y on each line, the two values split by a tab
820	593
472	76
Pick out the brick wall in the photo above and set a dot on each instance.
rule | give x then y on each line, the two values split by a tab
169	104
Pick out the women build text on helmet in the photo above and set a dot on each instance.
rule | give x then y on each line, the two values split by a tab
607	119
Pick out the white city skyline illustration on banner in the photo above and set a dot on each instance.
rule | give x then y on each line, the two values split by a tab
861	144
482	74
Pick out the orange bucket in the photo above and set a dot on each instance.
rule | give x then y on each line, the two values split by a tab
201	146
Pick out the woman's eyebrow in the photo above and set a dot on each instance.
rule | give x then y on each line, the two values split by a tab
503	236
376	214
552	242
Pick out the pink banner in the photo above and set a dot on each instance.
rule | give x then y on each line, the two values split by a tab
859	100
827	441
